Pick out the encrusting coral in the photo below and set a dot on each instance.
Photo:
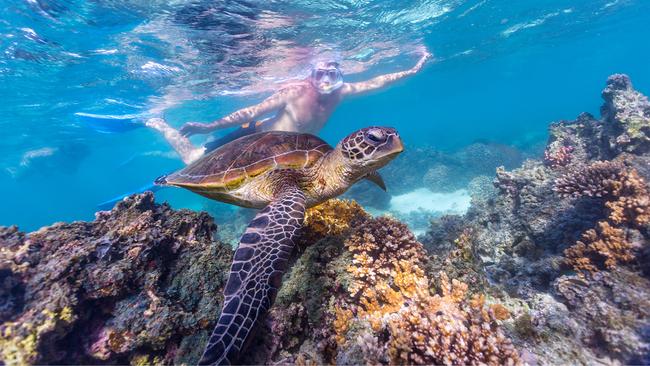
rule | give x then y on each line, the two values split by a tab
397	318
332	217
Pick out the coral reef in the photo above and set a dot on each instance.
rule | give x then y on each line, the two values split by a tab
548	267
141	283
587	207
398	320
382	307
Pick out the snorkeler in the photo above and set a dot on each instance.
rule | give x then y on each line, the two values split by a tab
304	106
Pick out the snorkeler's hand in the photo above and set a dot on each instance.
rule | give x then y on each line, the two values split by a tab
193	128
426	55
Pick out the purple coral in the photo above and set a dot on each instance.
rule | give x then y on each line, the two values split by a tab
599	179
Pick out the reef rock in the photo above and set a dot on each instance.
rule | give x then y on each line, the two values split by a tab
140	284
626	116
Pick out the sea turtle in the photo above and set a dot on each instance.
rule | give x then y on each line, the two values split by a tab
284	173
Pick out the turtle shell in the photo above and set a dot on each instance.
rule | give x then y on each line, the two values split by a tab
237	162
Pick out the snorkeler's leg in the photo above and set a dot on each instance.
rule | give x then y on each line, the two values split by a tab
244	130
183	146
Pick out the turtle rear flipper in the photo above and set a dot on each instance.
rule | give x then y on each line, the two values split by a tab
256	274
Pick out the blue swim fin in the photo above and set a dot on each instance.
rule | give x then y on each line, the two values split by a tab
109	123
107	205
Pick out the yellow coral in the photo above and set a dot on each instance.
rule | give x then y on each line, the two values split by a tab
341	323
390	293
333	217
463	244
19	340
145	360
633	205
607	244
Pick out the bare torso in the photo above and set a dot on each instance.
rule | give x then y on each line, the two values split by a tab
306	110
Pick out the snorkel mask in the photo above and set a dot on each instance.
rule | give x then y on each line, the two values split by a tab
326	77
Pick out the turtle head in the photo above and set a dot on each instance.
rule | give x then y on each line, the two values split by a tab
371	148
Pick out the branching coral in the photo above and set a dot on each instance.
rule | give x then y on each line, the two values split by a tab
605	245
600	179
556	156
628	206
633	203
399	321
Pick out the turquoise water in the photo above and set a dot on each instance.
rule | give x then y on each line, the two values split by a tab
502	71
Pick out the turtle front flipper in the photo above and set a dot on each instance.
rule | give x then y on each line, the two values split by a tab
256	273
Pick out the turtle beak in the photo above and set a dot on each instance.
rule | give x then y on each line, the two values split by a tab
396	145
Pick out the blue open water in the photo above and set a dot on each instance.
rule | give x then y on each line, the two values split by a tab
502	71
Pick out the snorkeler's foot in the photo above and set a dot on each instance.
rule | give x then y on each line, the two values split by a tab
108	204
108	123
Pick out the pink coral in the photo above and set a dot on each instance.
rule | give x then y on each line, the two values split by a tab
559	156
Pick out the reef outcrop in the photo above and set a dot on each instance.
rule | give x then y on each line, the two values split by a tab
564	244
141	284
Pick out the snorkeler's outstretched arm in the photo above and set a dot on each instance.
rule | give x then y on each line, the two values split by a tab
383	80
244	115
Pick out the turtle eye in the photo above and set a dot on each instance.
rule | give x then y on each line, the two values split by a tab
376	135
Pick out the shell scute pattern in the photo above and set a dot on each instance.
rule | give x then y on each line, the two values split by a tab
237	162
